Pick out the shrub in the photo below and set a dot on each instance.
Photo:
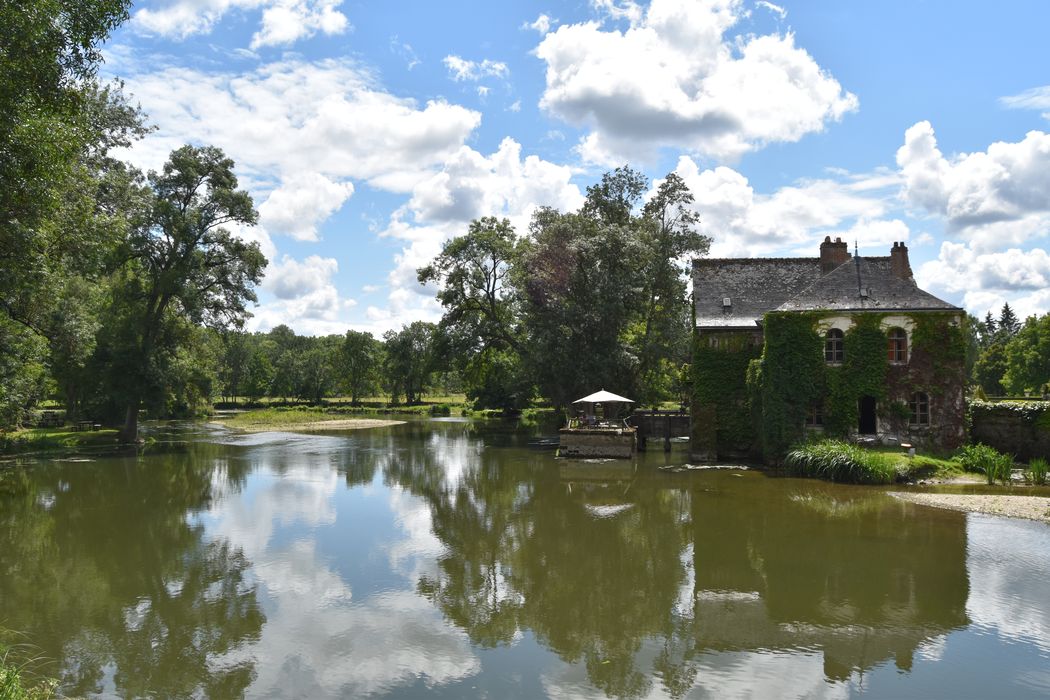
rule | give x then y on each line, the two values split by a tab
841	461
987	460
1036	471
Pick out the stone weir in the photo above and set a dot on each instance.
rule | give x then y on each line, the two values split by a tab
595	441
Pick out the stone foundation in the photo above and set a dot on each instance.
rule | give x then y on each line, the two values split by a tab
616	443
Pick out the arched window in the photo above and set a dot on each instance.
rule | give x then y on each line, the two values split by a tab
920	409
833	346
897	348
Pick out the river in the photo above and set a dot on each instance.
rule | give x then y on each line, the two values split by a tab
447	558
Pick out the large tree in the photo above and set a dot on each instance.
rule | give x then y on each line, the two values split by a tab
481	328
182	266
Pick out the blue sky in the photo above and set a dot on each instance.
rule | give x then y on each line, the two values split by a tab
369	133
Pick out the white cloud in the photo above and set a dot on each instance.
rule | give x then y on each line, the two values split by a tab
992	198
1034	98
301	202
541	24
775	9
286	21
470	185
405	51
792	219
295	118
986	280
290	279
675	79
461	69
622	10
305	297
282	21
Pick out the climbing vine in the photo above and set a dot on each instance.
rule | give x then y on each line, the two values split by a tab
863	373
768	409
790	379
719	382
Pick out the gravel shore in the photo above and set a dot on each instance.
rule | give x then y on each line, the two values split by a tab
1027	507
318	426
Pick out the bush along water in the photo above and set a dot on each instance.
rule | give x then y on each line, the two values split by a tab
987	460
1035	472
840	461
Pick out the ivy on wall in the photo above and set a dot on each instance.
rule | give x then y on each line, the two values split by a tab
719	382
762	399
863	373
790	380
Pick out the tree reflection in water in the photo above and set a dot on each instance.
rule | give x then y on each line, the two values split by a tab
599	565
106	568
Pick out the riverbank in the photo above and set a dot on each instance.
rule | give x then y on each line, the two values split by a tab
304	421
1026	507
54	439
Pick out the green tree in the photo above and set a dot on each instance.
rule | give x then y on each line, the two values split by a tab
409	359
1027	357
668	230
181	265
1008	324
579	281
258	375
481	327
358	363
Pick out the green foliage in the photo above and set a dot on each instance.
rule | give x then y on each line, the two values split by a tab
987	460
840	461
13	685
791	378
587	299
410	359
1036	471
182	266
358	364
720	379
1027	357
862	374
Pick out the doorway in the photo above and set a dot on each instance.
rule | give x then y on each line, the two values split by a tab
868	424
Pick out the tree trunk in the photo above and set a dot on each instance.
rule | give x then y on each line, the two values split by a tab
130	432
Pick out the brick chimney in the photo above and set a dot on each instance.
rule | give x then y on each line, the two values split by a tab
833	254
899	261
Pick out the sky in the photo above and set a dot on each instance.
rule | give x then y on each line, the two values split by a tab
369	133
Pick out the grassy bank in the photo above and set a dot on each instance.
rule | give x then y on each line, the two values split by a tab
848	463
54	439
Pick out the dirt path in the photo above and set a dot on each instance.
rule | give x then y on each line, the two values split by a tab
1028	507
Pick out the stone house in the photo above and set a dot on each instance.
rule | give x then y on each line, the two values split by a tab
840	345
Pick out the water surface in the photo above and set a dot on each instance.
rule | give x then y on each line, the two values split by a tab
447	559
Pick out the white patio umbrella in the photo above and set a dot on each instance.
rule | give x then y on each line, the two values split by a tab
603	396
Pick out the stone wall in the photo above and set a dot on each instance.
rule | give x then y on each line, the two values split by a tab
1020	428
596	442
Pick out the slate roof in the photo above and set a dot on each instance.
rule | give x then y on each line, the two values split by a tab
756	286
886	291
